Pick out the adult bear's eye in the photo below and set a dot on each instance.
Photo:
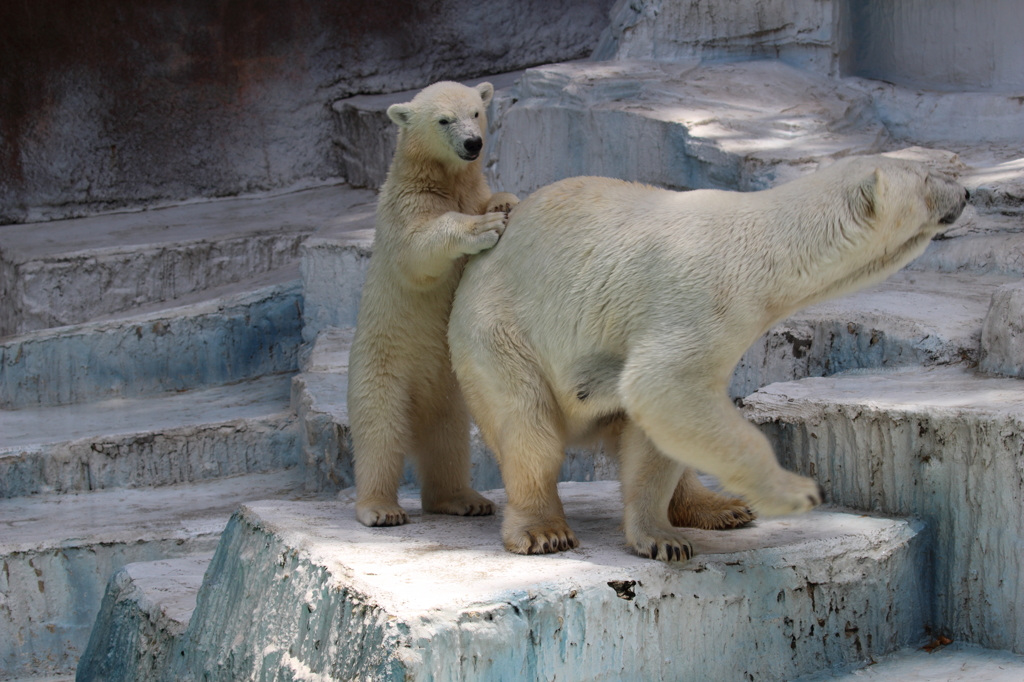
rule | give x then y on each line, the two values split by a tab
444	121
476	115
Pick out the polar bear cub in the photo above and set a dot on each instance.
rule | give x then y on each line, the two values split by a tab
618	309
433	211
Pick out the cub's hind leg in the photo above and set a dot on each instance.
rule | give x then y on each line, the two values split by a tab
380	436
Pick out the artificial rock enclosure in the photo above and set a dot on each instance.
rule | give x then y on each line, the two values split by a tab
175	472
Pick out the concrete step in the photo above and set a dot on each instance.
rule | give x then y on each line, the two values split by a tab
303	591
913	318
58	552
941	444
145	610
252	329
228	430
71	271
681	125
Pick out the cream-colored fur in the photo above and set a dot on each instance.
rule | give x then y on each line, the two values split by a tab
618	309
434	210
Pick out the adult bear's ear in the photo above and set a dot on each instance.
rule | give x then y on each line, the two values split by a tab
866	195
486	91
400	114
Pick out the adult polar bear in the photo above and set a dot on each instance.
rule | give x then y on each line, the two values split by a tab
434	210
617	309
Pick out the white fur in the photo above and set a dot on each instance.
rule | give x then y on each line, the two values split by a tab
435	209
621	310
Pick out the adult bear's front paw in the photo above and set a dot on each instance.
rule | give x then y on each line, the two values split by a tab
381	515
547	538
466	502
663	545
790	494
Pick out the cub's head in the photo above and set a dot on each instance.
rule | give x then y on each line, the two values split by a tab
444	122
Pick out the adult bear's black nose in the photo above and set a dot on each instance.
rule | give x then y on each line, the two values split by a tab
473	145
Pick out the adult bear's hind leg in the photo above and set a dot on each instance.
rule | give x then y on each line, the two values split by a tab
694	506
518	417
648	480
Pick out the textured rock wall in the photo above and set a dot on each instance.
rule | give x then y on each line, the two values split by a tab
117	102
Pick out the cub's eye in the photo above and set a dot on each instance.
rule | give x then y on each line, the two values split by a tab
444	121
476	115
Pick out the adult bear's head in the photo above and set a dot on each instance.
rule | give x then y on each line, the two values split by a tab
445	122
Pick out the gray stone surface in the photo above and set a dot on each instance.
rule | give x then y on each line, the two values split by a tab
1002	336
72	271
145	611
805	33
745	126
938	44
303	591
911	319
333	274
941	444
221	340
954	663
180	437
58	551
112	105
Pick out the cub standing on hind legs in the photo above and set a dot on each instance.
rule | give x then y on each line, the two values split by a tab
434	210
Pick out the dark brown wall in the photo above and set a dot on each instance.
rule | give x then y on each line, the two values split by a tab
110	103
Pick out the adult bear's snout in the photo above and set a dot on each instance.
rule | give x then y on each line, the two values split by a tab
473	145
955	212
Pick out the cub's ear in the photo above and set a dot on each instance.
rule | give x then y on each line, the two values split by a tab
865	195
486	91
400	114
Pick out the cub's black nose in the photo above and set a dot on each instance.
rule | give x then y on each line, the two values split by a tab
473	145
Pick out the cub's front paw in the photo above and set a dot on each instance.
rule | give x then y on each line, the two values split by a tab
484	232
502	202
381	515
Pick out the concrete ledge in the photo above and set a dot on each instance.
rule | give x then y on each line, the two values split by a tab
72	271
58	552
177	438
1002	337
941	444
303	591
145	610
913	318
745	126
218	341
